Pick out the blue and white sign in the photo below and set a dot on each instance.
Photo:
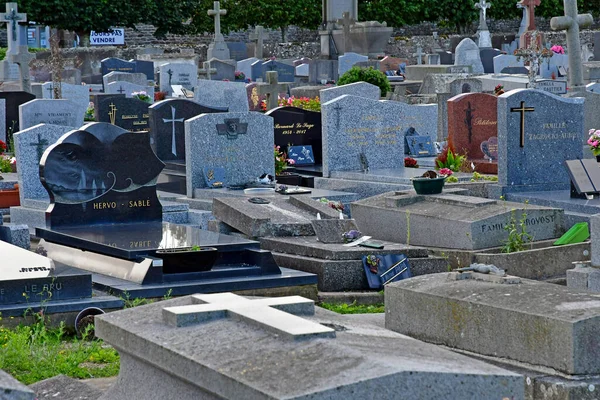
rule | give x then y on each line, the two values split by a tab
114	38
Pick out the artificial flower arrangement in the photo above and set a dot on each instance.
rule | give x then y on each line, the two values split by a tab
556	49
240	76
410	162
281	160
594	141
141	95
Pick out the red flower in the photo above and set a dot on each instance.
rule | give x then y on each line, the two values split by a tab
2	146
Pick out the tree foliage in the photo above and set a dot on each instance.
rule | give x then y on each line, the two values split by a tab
394	12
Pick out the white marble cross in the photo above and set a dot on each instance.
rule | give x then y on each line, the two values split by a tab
274	314
571	22
12	18
217	12
483	5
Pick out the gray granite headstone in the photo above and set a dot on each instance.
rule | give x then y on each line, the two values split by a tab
356	127
549	66
302	70
504	60
487	59
222	94
346	61
30	145
183	74
256	70
537	132
224	70
138	78
360	89
469	85
127	88
438	83
3	120
285	71
78	94
591	115
55	112
323	70
242	143
467	53
244	66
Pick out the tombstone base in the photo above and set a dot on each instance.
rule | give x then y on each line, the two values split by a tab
485	166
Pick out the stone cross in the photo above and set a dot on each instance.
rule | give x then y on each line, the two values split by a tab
50	90
274	314
207	69
571	23
172	121
346	22
121	90
217	12
483	5
419	55
530	5
40	146
522	110
12	18
257	36
523	26
22	59
272	89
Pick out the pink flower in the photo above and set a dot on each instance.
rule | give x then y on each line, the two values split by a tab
445	171
595	143
591	132
291	161
590	140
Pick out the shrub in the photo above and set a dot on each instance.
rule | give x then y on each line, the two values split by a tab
369	75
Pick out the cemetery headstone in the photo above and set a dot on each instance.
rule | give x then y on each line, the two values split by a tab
484	39
254	99
302	60
144	67
244	66
237	50
223	70
467	53
549	67
295	127
127	88
182	74
515	70
127	113
303	70
13	100
323	71
167	130
285	72
241	143
504	60
3	120
137	78
487	59
111	64
30	145
101	174
218	48
78	94
222	94
346	61
55	112
537	132
360	89
256	70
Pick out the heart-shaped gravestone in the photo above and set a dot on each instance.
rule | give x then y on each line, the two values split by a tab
490	148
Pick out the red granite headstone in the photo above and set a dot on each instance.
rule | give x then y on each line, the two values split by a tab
473	128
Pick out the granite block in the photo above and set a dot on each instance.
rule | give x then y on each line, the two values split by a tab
467	53
332	230
360	89
184	74
242	143
54	112
65	388
16	234
177	217
133	77
506	60
78	94
364	360
550	325
12	389
231	95
200	219
538	139
347	60
31	217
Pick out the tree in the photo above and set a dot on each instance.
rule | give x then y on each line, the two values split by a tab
395	12
458	14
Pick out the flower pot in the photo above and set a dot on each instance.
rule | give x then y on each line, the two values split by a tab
10	197
428	185
598	158
186	259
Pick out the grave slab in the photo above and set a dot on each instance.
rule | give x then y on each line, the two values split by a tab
12	389
354	371
221	94
550	325
360	89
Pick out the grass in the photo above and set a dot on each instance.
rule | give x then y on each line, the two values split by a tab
33	353
354	308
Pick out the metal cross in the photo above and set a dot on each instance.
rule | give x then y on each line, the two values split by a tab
170	72
13	17
172	121
522	110
217	12
41	146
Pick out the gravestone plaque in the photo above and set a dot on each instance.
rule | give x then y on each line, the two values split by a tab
54	112
101	174
417	145
254	99
360	89
346	61
167	130
296	127
129	114
302	155
472	120
222	94
467	53
30	145
490	148
285	72
111	64
241	143
552	86
537	133
182	74
13	101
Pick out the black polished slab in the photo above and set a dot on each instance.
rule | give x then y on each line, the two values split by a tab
131	241
101	174
296	126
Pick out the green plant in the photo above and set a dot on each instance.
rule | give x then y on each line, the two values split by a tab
89	113
354	308
370	75
141	95
479	177
518	237
281	160
130	303
451	179
448	159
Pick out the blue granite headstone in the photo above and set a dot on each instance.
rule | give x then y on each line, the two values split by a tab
285	72
237	50
256	70
419	146
116	64
537	132
144	67
385	269
302	155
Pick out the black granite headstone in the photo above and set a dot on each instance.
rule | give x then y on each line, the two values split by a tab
96	97
144	67
295	126
487	59
13	101
167	125
111	64
101	174
585	177
515	70
128	113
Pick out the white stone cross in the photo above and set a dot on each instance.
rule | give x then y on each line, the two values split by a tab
257	36
272	89
483	5
571	23
419	55
172	121
207	69
217	12
274	314
12	18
